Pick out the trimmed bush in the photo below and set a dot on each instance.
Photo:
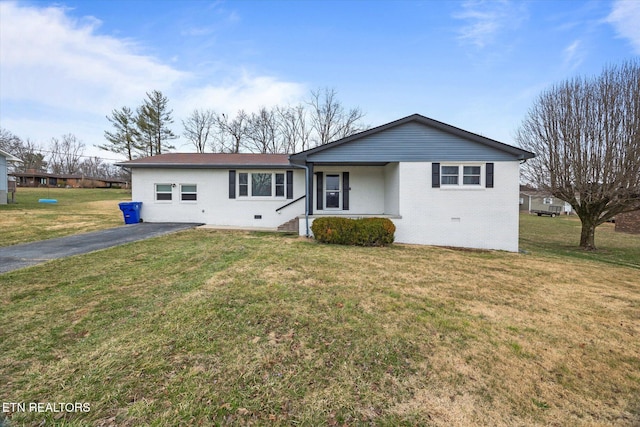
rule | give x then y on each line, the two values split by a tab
359	232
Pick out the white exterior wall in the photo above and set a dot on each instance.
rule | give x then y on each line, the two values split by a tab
213	206
367	194
473	217
3	180
391	186
469	217
485	218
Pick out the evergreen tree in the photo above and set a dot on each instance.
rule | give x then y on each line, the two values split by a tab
123	139
153	120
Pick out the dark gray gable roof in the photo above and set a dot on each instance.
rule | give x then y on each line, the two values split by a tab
413	138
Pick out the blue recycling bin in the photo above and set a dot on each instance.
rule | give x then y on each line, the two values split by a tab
131	212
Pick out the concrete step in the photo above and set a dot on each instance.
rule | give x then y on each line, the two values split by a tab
290	226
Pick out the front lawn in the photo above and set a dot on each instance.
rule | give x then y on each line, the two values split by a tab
77	210
207	327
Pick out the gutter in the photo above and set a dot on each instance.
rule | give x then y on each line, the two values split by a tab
201	166
306	195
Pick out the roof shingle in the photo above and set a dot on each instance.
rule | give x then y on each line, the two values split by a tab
210	160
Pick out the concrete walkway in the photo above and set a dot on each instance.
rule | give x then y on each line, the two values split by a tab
28	254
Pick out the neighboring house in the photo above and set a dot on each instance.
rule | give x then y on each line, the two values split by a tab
628	222
439	184
533	200
5	159
46	179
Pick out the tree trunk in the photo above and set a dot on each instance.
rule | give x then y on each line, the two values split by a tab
587	235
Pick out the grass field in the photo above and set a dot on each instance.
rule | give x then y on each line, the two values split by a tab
77	210
208	327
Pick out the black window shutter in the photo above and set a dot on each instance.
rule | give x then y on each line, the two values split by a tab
345	191
435	175
289	184
489	175
232	184
319	190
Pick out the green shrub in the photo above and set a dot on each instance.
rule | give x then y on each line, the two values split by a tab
359	232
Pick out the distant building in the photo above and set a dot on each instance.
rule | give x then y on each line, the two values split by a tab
46	179
534	200
7	185
628	222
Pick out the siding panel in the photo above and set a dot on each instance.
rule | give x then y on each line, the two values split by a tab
411	142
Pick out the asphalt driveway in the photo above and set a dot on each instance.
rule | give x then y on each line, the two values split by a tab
28	254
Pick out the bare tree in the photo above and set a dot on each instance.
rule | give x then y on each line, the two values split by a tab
263	132
586	134
66	154
27	151
269	130
294	128
231	132
32	157
329	118
9	142
94	167
198	128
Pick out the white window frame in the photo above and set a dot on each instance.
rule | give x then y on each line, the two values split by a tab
327	191
182	193
449	174
156	192
249	185
547	201
472	175
461	175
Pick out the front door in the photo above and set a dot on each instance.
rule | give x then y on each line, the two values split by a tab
332	192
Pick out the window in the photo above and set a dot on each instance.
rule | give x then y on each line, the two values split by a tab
547	201
449	175
243	186
471	175
261	184
163	192
279	185
332	191
188	192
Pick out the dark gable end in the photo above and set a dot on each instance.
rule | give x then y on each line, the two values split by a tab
413	138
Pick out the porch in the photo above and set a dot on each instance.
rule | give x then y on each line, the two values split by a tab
354	190
345	190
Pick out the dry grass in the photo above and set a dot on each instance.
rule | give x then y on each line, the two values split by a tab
77	211
207	327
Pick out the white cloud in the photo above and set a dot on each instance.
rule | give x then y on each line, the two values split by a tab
49	58
486	20
60	75
625	18
573	55
246	92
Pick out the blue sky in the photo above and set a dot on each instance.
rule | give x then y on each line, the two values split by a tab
478	65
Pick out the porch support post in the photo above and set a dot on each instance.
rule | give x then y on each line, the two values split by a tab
310	176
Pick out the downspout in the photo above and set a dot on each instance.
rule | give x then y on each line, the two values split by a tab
306	195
